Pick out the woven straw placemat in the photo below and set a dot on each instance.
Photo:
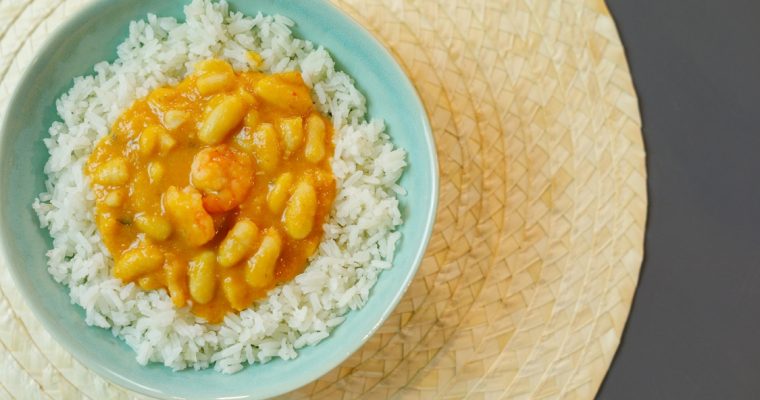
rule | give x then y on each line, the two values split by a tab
531	270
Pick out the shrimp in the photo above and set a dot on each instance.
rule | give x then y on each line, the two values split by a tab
223	175
185	208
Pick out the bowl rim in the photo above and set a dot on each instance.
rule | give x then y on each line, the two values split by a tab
92	9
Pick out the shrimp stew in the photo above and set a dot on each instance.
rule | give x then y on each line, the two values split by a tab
216	189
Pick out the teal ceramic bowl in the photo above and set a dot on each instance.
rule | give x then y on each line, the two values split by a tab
92	36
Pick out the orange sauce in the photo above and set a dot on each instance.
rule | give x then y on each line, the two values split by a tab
133	213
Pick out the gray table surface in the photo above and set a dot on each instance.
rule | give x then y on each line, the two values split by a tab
694	332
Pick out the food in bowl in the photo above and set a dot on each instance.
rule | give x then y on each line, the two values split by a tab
215	189
176	226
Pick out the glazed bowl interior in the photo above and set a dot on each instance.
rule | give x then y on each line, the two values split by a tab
92	36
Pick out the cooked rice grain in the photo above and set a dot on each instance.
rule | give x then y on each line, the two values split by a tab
359	238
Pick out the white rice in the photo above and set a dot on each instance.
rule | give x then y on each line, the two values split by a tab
360	235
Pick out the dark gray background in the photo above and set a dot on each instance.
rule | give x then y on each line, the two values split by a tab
694	332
